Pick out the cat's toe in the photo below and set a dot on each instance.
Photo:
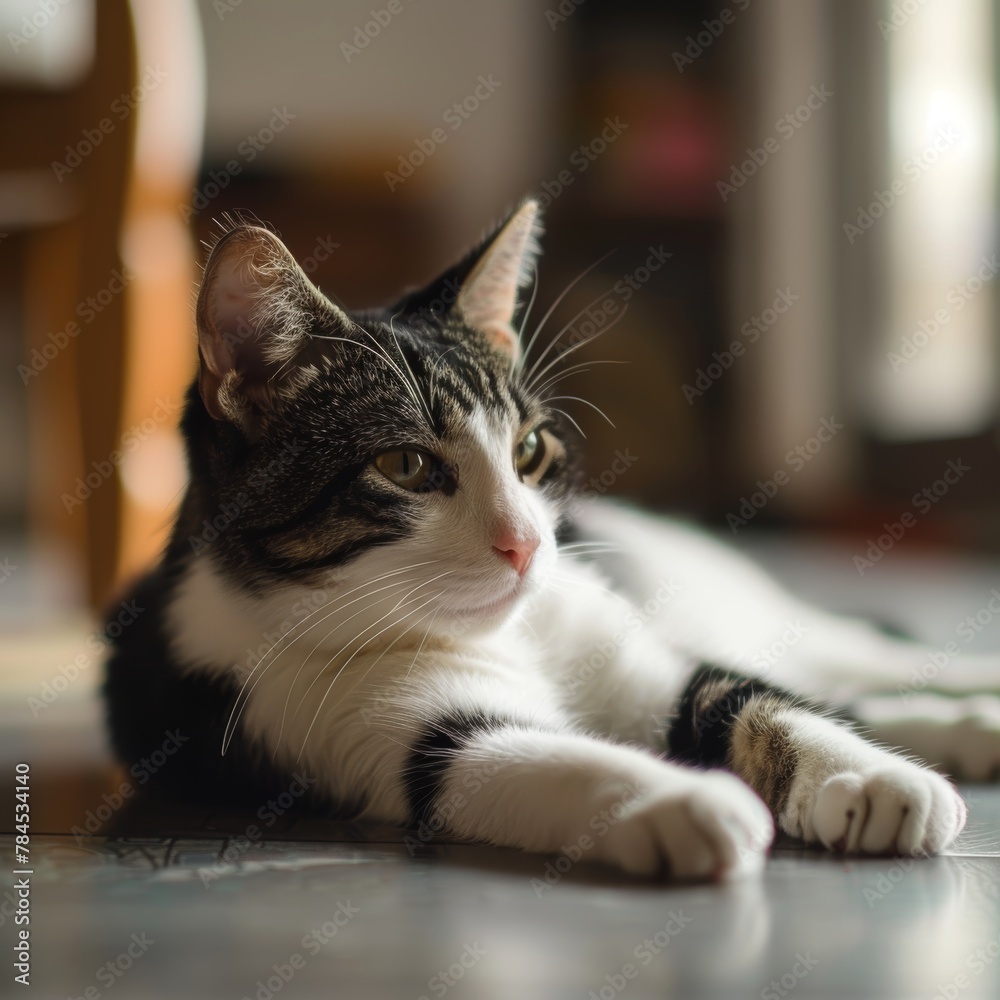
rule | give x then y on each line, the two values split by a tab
716	828
946	819
975	739
840	813
902	809
900	802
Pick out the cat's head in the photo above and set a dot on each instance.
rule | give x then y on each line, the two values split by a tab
405	448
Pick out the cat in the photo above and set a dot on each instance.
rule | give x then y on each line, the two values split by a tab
371	594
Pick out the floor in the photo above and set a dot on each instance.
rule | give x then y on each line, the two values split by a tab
226	916
167	903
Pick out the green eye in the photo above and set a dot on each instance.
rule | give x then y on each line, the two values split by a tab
529	453
406	467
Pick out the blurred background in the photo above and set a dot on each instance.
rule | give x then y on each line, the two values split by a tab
780	213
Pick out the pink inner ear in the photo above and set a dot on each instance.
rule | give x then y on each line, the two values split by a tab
232	298
491	310
488	299
230	307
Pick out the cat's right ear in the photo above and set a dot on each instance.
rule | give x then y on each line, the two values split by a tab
256	309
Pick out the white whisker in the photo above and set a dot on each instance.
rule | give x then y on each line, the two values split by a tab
587	402
237	709
576	347
556	409
555	340
555	305
583	366
379	621
329	687
413	378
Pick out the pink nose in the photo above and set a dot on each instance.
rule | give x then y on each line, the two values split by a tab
517	551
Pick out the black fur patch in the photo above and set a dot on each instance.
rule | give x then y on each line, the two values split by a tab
432	755
167	724
714	697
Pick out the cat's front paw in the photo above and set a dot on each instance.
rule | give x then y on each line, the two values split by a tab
897	808
715	826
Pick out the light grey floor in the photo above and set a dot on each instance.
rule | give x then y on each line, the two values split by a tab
222	917
322	910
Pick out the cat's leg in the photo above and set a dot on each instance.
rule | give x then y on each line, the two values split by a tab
498	779
823	782
485	752
960	735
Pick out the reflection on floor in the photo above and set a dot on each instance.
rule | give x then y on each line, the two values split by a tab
366	914
168	903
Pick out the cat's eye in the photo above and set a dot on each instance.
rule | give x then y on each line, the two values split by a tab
407	467
529	453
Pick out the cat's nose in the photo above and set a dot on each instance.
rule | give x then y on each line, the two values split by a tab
518	550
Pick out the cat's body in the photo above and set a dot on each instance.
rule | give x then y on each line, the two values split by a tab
364	588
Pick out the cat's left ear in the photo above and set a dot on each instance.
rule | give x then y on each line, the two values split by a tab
483	288
488	297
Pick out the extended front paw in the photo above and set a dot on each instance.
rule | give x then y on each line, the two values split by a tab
898	808
715	826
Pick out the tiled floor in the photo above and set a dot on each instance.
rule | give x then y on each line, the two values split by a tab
335	911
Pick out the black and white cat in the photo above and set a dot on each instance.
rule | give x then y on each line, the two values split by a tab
366	584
